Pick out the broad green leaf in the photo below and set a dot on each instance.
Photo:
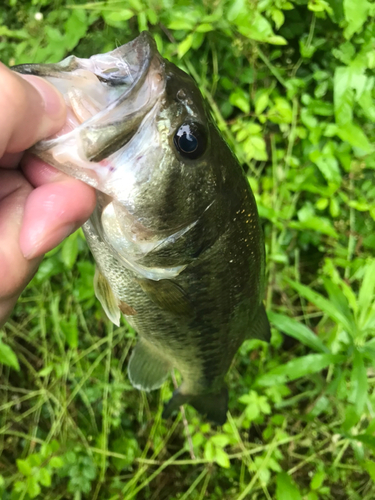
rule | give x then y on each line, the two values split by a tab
75	28
320	107
354	135
204	28
281	112
45	371
121	15
240	99
318	480
236	8
142	21
34	460
358	383
328	165
152	16
297	330
209	451
44	477
277	40
129	448
286	489
8	357
220	440
343	95
319	224
278	17
369	465
185	46
56	463
356	12
261	101
255	27
221	458
296	368
319	6
24	467
252	412
365	439
323	304
181	24
334	207
367	104
198	39
33	488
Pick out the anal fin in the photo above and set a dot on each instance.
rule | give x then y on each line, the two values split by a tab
147	369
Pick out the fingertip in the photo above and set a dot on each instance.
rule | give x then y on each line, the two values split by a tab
38	172
52	212
31	109
54	115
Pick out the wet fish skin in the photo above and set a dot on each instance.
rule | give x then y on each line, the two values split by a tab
176	236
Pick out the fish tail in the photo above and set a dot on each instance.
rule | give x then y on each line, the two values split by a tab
213	405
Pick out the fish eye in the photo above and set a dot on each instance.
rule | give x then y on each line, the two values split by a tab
190	140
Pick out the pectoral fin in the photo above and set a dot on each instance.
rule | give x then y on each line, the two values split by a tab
261	327
106	297
147	370
168	295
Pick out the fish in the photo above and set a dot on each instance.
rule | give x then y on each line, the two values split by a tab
175	234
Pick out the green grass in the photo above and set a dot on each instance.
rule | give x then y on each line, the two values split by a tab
291	86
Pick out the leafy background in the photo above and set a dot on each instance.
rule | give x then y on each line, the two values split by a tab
291	86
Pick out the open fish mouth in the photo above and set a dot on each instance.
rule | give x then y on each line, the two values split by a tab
107	96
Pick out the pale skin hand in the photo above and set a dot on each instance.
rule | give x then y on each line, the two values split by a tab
39	206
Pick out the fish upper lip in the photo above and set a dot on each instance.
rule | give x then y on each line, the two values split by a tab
138	60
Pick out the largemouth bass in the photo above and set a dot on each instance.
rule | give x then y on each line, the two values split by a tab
175	233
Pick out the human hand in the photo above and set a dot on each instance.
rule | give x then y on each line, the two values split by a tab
39	206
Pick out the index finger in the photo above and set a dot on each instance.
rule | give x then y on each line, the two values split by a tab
31	109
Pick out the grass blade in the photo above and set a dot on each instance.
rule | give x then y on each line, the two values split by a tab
296	368
366	293
358	394
297	330
324	305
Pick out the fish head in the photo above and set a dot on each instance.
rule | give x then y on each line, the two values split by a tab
138	131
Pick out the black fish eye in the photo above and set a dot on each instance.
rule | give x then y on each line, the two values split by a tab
190	140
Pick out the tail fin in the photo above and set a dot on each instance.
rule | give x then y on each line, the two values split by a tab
213	406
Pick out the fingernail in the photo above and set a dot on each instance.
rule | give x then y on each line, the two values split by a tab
34	245
54	105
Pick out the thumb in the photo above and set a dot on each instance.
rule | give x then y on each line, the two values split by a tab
31	109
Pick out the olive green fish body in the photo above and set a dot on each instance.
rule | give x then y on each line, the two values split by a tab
175	234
